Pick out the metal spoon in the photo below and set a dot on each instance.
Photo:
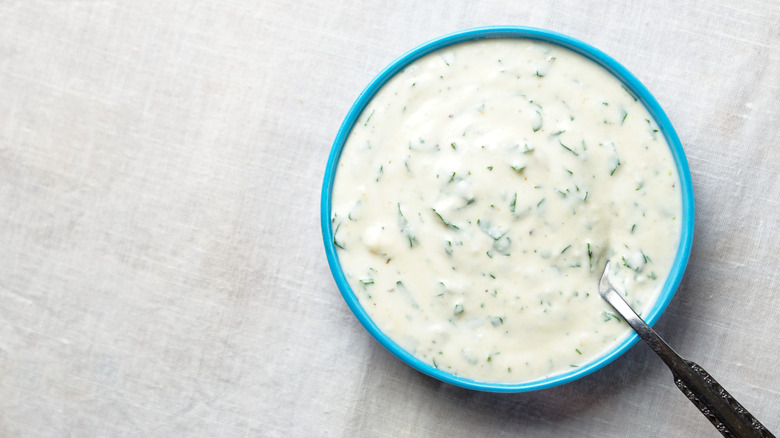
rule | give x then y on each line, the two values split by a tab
723	411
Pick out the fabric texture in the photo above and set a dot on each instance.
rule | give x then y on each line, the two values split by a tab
162	270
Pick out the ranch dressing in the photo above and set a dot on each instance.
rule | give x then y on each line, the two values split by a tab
480	194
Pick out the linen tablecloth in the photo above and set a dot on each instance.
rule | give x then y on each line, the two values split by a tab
162	271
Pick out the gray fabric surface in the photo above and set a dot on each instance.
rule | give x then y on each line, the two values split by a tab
161	265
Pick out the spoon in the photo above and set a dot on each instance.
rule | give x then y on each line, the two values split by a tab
723	411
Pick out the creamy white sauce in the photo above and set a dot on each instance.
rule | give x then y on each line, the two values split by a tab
479	196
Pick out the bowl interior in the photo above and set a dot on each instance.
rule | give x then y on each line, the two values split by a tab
630	82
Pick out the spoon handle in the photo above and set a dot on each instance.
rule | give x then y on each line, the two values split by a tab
723	411
726	426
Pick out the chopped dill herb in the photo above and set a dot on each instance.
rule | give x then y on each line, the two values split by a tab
567	148
448	224
612	172
369	117
405	228
590	257
335	242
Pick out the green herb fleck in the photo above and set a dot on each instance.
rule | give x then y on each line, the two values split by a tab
369	117
448	224
612	172
627	265
609	315
567	148
564	249
405	228
590	257
335	242
538	123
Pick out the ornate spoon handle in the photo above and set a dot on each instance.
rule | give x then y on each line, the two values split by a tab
723	411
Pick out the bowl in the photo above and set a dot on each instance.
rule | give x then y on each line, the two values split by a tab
630	82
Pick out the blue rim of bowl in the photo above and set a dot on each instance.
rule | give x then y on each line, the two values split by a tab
631	83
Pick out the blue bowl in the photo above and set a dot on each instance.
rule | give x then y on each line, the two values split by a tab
631	82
